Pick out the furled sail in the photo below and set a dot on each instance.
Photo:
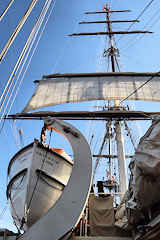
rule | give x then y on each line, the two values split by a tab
65	88
145	168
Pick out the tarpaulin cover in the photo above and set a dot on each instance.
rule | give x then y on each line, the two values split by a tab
101	215
145	168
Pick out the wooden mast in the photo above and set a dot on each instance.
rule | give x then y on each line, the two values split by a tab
112	52
118	129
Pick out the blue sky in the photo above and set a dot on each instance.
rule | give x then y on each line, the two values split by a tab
57	52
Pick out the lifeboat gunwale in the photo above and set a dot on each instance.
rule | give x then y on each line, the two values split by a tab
39	145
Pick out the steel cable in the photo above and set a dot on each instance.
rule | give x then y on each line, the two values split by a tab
20	59
138	37
31	42
6	10
140	15
17	30
142	85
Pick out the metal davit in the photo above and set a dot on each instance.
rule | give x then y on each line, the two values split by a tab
61	218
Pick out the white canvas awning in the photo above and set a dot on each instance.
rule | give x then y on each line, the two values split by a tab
66	88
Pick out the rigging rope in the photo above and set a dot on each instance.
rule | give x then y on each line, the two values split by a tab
4	210
41	167
129	134
20	59
94	147
140	15
17	30
140	87
6	10
17	218
34	49
138	37
100	152
27	48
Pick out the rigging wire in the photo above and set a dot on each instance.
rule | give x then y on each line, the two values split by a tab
141	13
139	16
2	125
89	129
96	141
129	134
15	212
17	133
17	30
91	140
100	152
157	19
4	210
41	167
28	63
41	20
10	198
110	3
117	63
138	37
20	59
136	124
6	10
17	217
67	44
114	162
34	49
142	85
108	67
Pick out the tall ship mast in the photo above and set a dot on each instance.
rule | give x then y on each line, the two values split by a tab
55	195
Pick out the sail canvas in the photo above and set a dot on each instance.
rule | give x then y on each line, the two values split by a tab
85	87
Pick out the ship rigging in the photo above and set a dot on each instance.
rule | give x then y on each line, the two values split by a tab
113	86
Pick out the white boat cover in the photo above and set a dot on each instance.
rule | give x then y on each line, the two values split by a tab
145	168
85	88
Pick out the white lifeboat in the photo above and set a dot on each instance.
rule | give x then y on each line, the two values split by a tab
37	177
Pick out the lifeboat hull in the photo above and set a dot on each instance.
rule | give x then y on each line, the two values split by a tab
37	177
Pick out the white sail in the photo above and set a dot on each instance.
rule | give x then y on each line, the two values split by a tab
85	87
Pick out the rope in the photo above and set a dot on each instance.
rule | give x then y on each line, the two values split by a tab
20	59
6	10
2	126
43	161
138	37
140	15
33	40
19	220
4	210
28	47
15	188
100	152
140	87
17	30
129	134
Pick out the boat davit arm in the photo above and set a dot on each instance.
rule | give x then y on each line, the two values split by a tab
67	211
